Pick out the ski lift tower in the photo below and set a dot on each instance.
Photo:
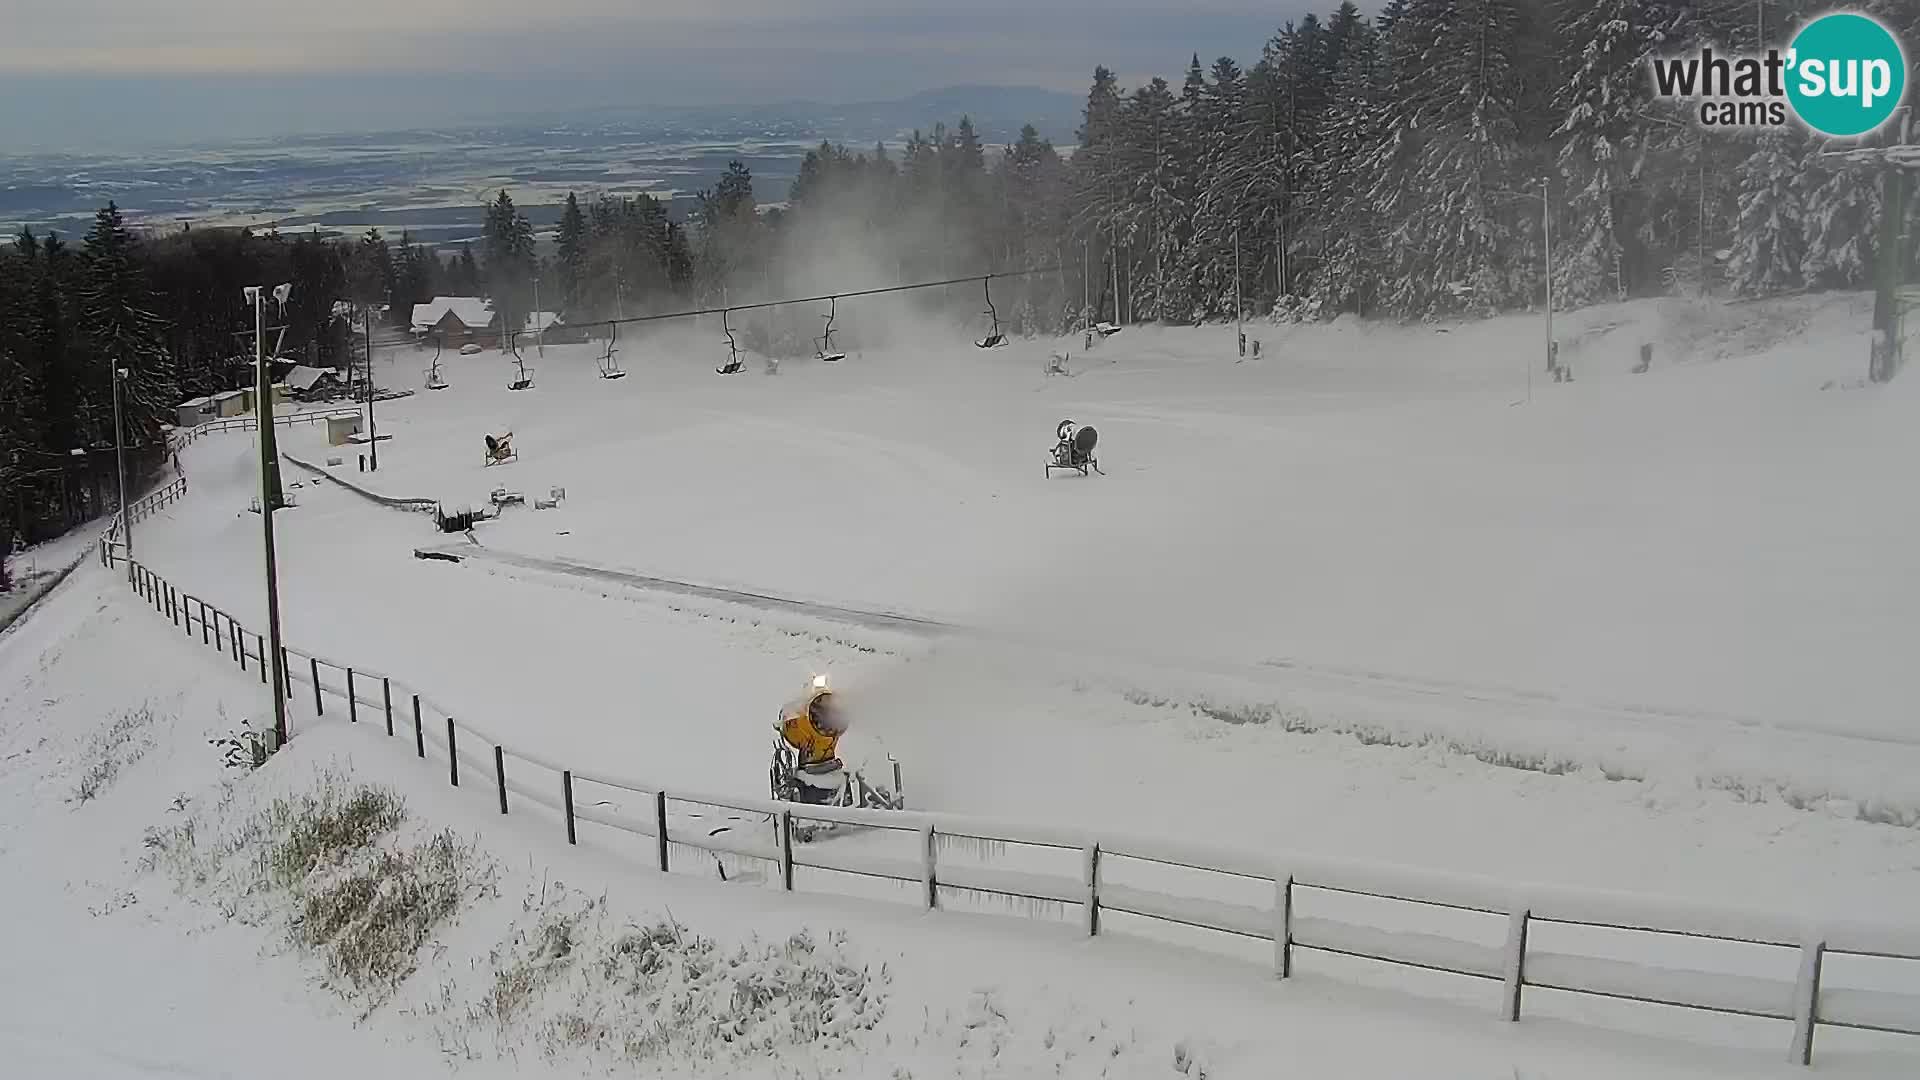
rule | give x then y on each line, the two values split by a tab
1898	164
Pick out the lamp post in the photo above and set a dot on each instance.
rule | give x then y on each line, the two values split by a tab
120	459
539	324
373	432
263	410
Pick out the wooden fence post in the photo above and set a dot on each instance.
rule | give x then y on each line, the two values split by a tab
929	879
566	792
453	756
786	850
419	733
203	621
313	668
1806	1002
233	639
266	679
660	826
1515	975
1283	927
240	645
286	670
353	706
386	702
500	776
1091	869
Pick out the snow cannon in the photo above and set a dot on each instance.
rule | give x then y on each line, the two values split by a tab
1074	450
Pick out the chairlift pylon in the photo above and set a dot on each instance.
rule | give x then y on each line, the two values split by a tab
826	352
734	364
995	339
609	367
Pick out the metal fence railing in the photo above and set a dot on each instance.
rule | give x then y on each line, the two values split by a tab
1474	928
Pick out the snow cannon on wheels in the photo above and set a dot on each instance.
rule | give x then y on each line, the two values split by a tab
806	767
1074	450
500	450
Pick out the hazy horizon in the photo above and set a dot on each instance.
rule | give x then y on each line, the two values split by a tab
107	75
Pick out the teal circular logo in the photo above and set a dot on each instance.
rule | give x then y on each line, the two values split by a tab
1846	74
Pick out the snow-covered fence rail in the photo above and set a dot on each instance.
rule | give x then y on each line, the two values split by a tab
1515	937
182	438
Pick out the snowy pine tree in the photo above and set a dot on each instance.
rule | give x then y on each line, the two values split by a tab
122	331
1770	239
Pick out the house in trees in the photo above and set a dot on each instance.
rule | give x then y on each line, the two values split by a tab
455	320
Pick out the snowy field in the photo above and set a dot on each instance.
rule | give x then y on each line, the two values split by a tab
203	982
1360	597
1682	581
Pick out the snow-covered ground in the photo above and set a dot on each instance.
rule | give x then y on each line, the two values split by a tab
1358	597
115	971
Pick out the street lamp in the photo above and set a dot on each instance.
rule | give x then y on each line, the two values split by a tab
120	457
269	489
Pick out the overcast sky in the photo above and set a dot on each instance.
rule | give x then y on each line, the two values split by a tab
89	73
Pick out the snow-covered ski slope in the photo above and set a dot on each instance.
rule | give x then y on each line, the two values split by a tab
1643	631
194	991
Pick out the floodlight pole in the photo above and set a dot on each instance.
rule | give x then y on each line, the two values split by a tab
539	326
373	431
120	457
263	411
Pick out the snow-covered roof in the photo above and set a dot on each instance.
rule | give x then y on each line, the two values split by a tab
542	320
304	378
471	310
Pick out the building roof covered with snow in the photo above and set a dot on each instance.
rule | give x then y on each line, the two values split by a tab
542	320
473	312
305	378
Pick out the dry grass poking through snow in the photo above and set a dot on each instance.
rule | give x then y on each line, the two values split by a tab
121	743
332	863
578	982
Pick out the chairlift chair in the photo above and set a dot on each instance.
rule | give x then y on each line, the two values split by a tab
524	380
1074	450
609	367
434	381
827	353
734	364
995	339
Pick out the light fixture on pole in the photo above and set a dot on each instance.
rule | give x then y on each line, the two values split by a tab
120	457
539	324
373	431
275	658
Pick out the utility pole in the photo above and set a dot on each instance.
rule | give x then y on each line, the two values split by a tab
263	394
373	432
120	457
539	325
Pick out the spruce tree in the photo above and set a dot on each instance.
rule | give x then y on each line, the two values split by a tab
121	331
1769	254
571	254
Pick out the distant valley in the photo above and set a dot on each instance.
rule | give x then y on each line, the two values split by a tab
432	182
